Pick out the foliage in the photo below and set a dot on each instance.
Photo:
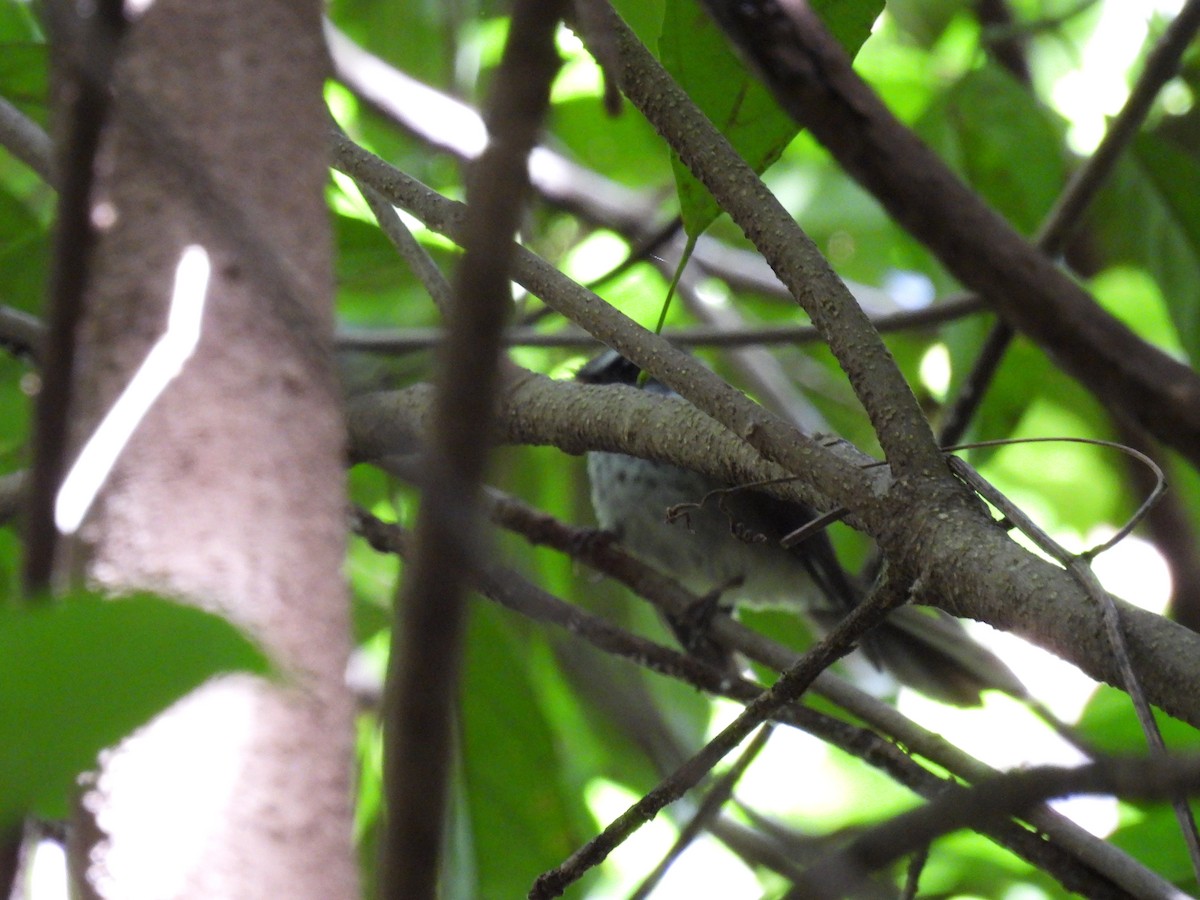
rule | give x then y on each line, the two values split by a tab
552	730
77	676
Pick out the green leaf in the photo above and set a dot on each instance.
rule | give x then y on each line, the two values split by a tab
1155	839
1110	724
624	148
697	55
78	676
984	122
1136	299
24	254
23	66
510	763
1149	216
924	20
645	17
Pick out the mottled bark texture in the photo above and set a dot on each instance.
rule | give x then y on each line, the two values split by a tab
230	493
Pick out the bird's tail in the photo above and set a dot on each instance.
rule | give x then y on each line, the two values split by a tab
930	650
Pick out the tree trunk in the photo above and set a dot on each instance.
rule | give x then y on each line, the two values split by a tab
229	493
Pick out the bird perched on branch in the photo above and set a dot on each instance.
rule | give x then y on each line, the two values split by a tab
735	544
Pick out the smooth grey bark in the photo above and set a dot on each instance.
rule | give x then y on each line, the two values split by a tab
229	494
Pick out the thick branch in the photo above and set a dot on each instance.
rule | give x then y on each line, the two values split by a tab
968	565
895	415
812	79
839	483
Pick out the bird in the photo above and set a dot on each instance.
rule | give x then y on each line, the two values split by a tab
733	548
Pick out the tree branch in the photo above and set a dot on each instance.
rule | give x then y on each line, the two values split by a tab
426	649
1006	795
968	565
899	424
1077	859
814	81
830	481
24	138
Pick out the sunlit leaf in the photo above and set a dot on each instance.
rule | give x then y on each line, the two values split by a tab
77	676
984	122
1149	217
698	56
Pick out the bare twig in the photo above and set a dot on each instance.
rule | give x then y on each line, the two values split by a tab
760	369
1068	842
716	797
514	592
1172	530
1067	213
790	685
409	248
770	435
448	124
970	566
1082	572
611	559
1079	861
1161	66
457	128
897	419
24	138
1005	795
811	77
411	340
21	333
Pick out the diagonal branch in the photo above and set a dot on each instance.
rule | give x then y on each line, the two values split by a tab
1005	795
812	79
895	415
830	481
1064	219
1079	861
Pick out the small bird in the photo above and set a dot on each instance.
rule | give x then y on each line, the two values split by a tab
735	545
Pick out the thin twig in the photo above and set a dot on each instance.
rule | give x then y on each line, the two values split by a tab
412	340
760	369
409	248
447	124
1078	860
450	125
1156	492
21	333
1128	680
790	685
1066	216
717	796
26	140
1006	795
1071	851
812	78
771	436
970	566
899	423
516	593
